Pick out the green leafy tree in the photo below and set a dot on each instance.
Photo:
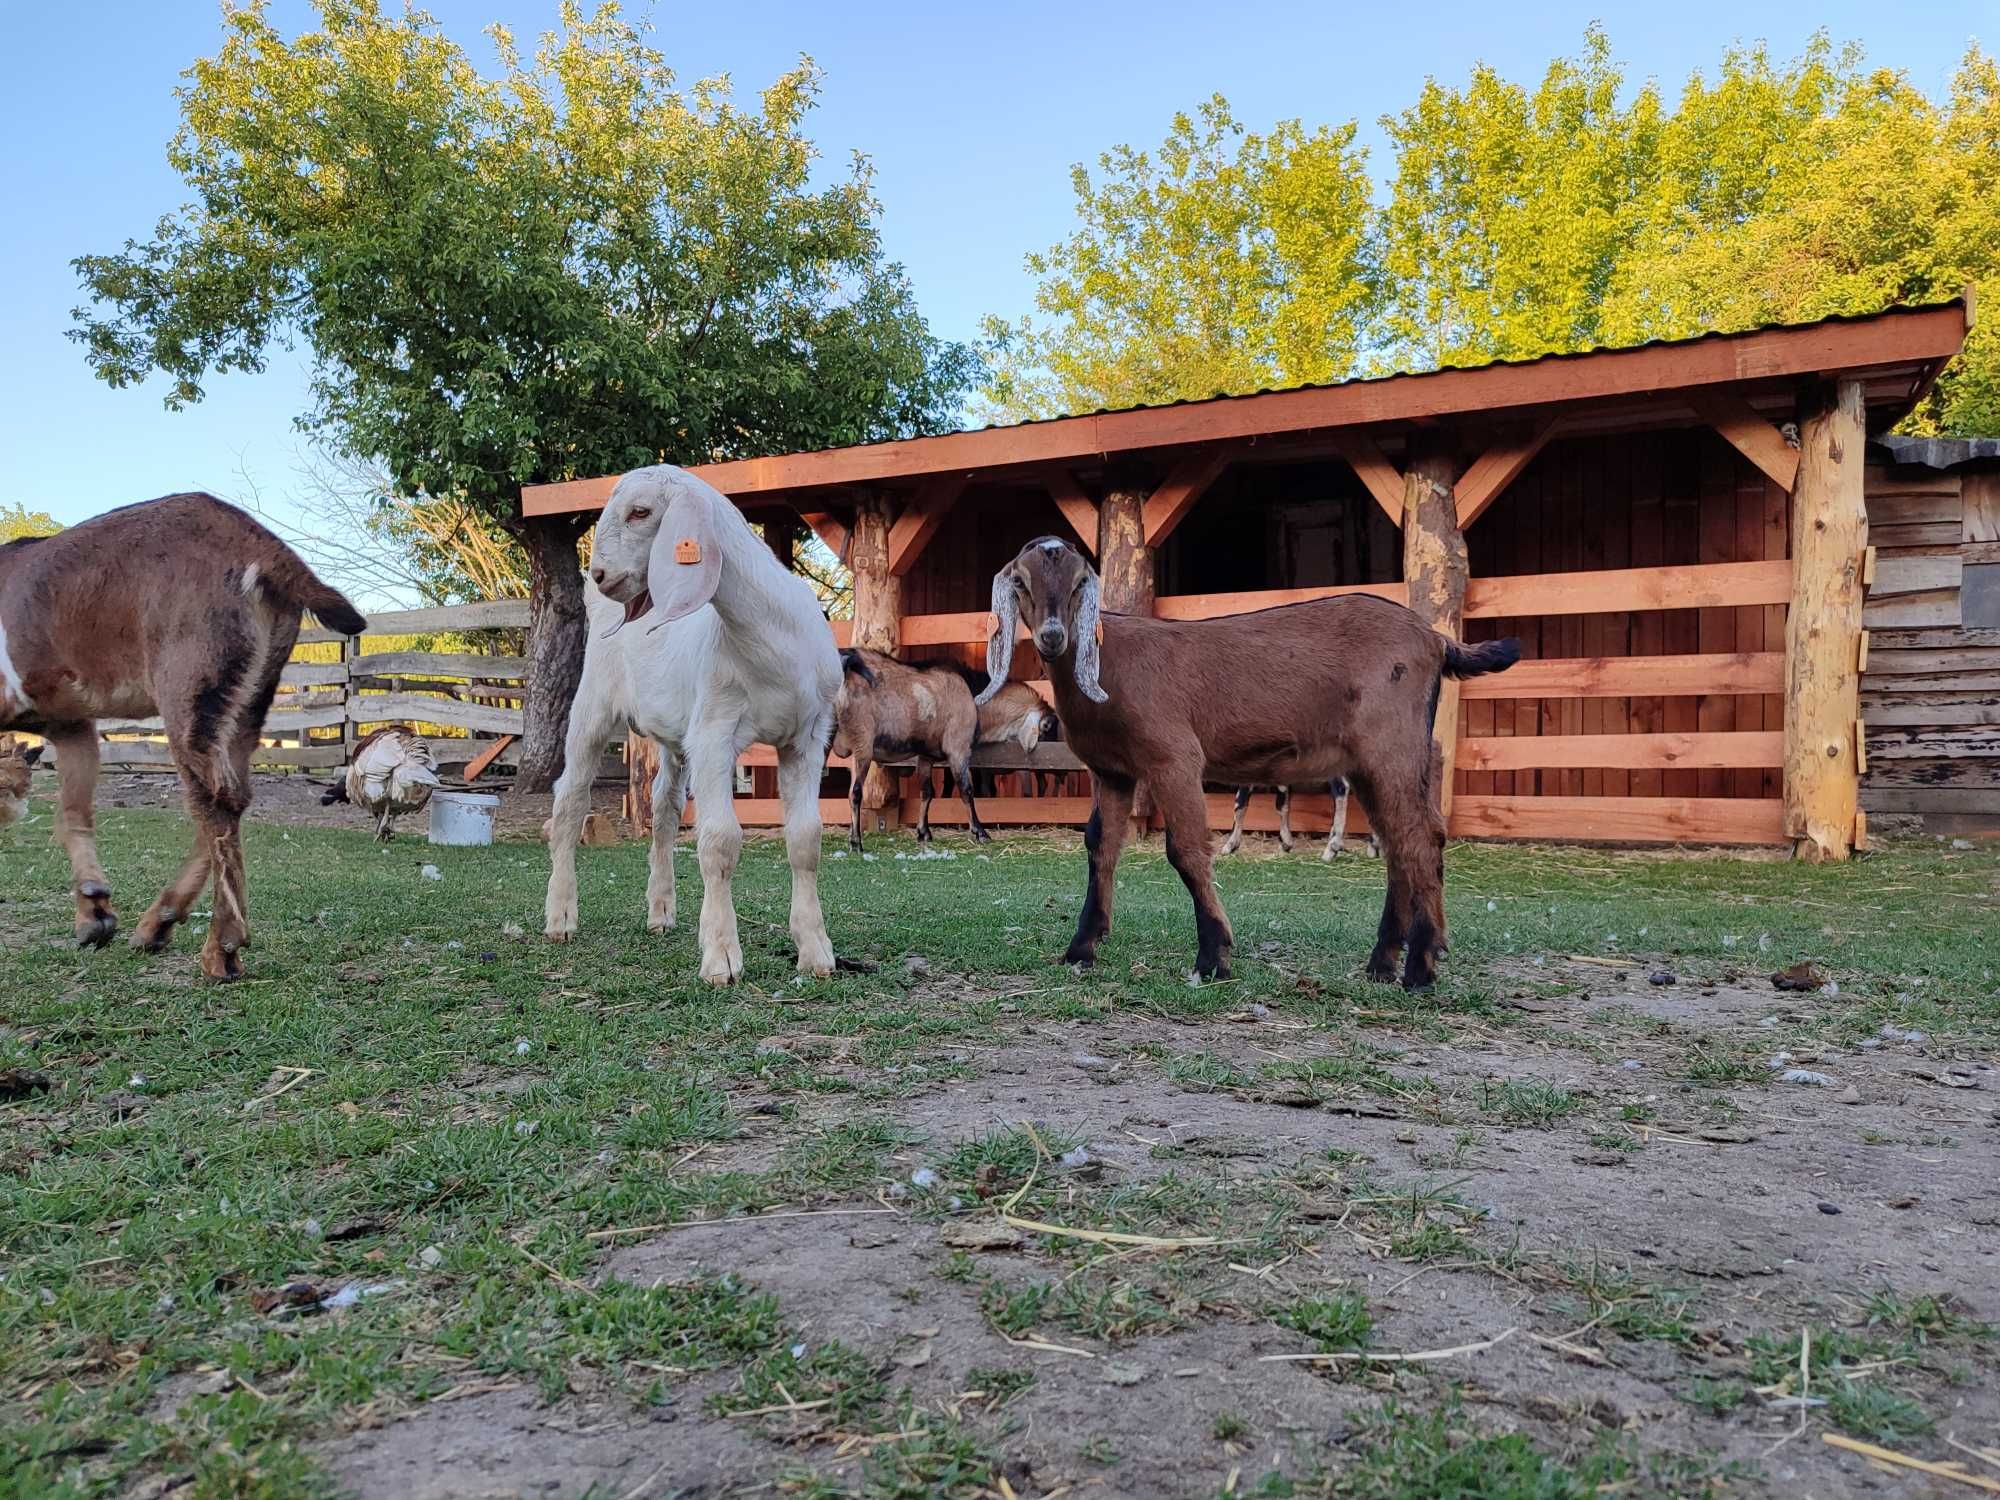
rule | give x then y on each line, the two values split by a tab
17	521
573	268
1223	262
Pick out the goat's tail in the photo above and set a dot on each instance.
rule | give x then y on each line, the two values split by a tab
853	661
1477	661
288	578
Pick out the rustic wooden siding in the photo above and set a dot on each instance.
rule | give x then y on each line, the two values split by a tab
1931	694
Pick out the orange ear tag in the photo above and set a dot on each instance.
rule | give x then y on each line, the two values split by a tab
1100	632
992	624
687	550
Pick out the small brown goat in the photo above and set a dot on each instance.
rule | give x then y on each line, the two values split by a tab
888	709
16	766
1345	686
183	607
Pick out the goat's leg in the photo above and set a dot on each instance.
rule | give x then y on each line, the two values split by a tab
669	803
1103	839
1185	810
925	792
962	772
800	768
76	831
1336	836
718	843
1284	795
860	780
1235	840
592	722
1413	857
156	928
229	927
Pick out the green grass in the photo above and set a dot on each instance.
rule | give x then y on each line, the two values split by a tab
404	1095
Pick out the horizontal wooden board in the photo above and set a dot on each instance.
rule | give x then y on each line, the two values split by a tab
1914	575
1312	813
1621	820
488	614
1635	676
1926	640
1215	606
1917	709
1615	590
1962	772
1052	756
1631	752
1915	506
769	812
1013	810
312	674
1877	797
148	754
439	664
293	721
1938	607
406	708
1937	742
1897	662
1917	534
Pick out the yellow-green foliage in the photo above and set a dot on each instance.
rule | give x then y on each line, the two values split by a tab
1519	221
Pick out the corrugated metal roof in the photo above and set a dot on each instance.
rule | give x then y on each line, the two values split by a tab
1939	453
1712	336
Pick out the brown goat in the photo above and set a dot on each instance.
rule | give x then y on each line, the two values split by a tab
183	607
1345	686
888	709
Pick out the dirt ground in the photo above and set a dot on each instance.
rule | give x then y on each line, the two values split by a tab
1737	1213
1771	1219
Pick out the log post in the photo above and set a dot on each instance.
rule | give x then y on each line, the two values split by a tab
1435	568
1125	571
1823	627
878	613
642	764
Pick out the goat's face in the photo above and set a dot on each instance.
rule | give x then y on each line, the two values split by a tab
623	543
1053	589
658	547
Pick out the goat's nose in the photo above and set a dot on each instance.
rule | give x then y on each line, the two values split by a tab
1051	638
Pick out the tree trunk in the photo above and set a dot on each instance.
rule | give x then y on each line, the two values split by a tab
556	629
1125	573
1823	630
878	613
1435	568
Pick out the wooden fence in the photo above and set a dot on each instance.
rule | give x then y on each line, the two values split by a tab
463	700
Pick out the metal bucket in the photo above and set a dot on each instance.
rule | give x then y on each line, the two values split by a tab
462	817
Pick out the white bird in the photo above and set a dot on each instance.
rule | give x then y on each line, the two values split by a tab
392	772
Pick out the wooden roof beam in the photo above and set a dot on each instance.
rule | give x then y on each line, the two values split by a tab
1185	483
918	521
1076	506
1746	430
829	531
1383	479
1496	468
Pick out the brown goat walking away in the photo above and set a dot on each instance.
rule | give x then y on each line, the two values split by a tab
888	709
1339	687
183	607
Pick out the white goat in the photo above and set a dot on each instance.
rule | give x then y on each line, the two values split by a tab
702	641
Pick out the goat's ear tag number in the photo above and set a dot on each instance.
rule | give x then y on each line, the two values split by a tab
687	550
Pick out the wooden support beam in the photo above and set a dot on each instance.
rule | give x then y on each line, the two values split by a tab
1435	569
1185	483
1496	468
1383	479
1749	434
1077	507
878	612
830	531
1823	629
920	520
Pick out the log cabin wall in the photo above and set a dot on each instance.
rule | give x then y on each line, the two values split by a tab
1931	689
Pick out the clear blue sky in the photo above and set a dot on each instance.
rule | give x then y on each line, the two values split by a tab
972	116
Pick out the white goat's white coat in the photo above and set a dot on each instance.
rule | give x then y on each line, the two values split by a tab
732	650
13	697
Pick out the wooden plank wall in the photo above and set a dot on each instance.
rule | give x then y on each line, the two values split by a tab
1645	500
1931	694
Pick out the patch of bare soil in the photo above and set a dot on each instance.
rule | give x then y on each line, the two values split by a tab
1598	1160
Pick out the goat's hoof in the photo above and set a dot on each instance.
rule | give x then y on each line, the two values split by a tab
223	968
1329	856
153	936
1382	970
1419	977
1078	958
97	931
660	924
724	966
981	836
559	934
1212	973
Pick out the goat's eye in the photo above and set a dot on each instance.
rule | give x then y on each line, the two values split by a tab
637	513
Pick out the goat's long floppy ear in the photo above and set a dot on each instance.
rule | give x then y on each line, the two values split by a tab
1000	644
1086	641
686	561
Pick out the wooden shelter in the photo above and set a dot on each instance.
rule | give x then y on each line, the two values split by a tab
1678	533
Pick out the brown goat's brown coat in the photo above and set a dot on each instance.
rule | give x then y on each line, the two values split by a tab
1338	687
888	709
184	607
